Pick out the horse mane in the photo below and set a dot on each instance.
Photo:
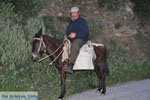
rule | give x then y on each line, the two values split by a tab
56	41
50	39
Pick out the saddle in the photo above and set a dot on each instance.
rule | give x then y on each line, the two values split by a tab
85	58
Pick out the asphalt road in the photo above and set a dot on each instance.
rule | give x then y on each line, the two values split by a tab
134	90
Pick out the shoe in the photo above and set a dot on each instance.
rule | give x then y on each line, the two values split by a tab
69	68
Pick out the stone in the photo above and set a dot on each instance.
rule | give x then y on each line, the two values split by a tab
96	12
118	34
60	14
134	32
125	17
52	13
43	12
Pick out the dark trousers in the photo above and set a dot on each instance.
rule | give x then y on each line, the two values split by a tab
75	48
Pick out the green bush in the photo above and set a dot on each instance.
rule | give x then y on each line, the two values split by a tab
142	8
6	14
50	28
27	7
6	11
94	29
33	25
16	38
13	46
11	38
112	4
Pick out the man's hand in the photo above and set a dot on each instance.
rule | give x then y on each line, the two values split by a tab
65	37
72	35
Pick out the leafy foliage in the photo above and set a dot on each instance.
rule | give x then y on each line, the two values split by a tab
142	8
112	4
94	29
14	46
26	8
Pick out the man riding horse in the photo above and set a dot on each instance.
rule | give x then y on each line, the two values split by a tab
77	32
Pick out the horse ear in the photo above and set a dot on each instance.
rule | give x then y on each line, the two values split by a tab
40	31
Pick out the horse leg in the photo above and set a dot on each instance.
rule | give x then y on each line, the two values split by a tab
98	75
100	64
63	84
99	68
100	85
103	83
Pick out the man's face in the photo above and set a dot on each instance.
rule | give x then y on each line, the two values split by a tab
75	15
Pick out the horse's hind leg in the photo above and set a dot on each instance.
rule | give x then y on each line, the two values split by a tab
100	73
100	86
102	76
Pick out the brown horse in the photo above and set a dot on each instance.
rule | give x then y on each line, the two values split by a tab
43	43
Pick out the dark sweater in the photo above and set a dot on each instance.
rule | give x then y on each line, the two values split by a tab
80	27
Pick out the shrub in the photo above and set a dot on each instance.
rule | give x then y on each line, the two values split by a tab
27	7
12	38
33	25
142	8
94	29
6	14
13	46
112	4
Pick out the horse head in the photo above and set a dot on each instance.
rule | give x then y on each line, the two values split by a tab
38	46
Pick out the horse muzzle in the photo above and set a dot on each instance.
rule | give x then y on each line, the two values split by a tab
35	57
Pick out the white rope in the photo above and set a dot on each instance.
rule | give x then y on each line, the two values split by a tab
56	57
41	41
51	53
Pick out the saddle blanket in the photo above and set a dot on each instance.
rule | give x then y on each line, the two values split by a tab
85	58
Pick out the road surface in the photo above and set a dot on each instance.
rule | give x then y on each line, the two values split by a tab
134	90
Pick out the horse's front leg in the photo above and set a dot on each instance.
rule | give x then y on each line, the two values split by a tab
63	84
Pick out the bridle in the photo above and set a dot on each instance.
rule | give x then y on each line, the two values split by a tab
40	45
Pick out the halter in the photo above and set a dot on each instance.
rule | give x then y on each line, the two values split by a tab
42	42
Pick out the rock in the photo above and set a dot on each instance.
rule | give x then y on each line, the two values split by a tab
60	14
128	30
96	12
134	32
89	2
43	12
52	13
129	9
125	17
118	34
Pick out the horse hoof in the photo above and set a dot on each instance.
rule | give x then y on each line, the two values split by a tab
60	99
99	90
102	94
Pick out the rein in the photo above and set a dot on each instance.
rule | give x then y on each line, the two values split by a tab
41	41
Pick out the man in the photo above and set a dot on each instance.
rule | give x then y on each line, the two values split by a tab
77	32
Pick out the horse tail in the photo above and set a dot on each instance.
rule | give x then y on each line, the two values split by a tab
106	69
